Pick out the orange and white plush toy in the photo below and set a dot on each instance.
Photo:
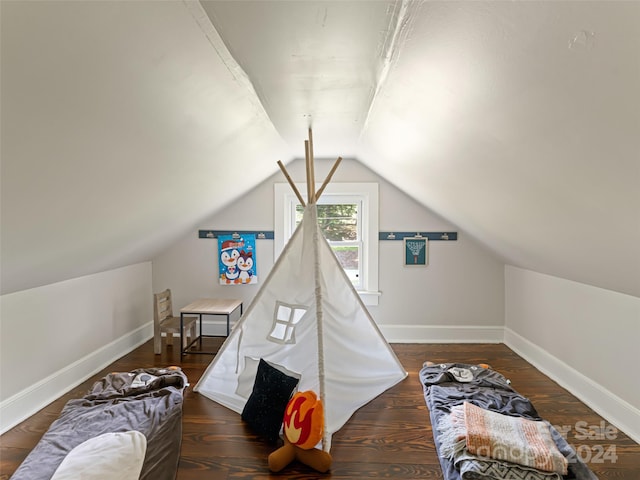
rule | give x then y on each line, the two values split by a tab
303	427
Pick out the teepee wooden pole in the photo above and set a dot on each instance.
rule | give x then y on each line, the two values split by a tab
311	176
293	185
328	179
307	165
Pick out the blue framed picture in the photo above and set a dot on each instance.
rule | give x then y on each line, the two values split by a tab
237	260
416	251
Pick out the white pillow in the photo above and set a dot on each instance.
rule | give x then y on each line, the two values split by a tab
110	456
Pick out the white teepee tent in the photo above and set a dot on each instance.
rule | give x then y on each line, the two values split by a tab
308	319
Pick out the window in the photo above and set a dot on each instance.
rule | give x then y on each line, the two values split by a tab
348	218
285	319
340	223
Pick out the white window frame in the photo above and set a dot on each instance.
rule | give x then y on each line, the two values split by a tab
365	194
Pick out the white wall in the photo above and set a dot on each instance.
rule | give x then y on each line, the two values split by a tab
584	337
54	337
416	304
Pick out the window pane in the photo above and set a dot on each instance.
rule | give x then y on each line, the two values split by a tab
279	331
349	258
338	222
298	313
299	212
288	335
283	313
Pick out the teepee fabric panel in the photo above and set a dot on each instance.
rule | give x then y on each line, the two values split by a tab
358	362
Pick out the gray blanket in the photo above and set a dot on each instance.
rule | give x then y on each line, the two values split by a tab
449	384
146	400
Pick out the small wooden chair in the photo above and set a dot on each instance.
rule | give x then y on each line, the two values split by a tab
165	322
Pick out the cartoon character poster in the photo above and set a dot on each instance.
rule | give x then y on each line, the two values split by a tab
237	259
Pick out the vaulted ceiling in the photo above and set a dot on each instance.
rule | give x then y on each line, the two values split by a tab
517	121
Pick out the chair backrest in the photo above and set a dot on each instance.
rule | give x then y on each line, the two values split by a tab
162	307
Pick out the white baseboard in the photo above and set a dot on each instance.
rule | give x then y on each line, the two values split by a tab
23	404
441	334
616	410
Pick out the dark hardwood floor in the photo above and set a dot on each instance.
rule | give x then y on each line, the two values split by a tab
388	438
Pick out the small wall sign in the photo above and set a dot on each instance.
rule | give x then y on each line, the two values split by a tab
416	251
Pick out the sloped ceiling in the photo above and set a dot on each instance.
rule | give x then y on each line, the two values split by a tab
124	124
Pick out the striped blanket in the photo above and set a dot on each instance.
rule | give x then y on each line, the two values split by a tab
490	436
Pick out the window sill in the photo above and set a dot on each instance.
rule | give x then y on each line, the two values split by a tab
369	298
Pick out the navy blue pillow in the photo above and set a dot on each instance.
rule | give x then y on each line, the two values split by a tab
264	410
